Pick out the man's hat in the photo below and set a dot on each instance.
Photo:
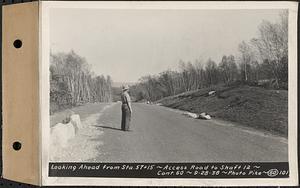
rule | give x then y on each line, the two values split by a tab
124	88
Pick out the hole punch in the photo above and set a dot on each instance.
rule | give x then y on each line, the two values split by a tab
17	146
18	43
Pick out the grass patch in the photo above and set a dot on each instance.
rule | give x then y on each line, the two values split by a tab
251	106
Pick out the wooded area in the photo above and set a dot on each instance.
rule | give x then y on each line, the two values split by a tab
73	83
261	61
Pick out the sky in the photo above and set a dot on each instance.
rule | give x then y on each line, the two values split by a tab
129	44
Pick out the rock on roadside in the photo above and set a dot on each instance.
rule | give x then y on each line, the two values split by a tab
204	116
196	116
75	120
61	133
192	115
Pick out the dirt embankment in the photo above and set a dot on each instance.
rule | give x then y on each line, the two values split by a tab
254	107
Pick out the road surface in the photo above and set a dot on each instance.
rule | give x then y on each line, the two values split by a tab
160	134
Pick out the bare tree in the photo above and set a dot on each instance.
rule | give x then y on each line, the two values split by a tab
272	45
211	72
228	69
245	59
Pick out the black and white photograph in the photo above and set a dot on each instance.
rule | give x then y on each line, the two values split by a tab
186	92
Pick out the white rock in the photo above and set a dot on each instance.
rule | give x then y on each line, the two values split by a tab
204	116
208	117
192	115
62	133
211	93
75	120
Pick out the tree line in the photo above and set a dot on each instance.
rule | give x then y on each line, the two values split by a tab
262	59
73	83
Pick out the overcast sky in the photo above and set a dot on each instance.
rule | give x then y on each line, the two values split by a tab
128	44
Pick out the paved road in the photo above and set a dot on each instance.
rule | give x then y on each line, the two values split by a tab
159	134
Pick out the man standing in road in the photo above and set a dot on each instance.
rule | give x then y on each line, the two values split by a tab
126	109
